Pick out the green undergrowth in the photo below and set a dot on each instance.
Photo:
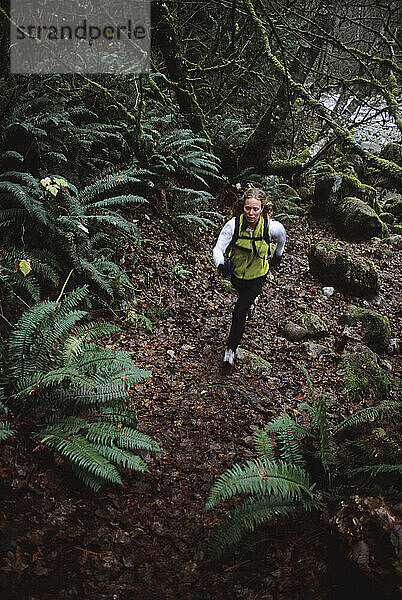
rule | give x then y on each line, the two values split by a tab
306	466
74	391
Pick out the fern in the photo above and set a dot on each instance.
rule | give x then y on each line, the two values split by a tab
5	431
85	456
251	513
290	450
386	408
63	230
261	477
282	488
77	391
264	445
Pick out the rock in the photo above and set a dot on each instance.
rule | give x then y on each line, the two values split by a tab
353	275
313	349
394	207
350	205
362	374
361	552
376	327
315	326
394	346
396	539
328	291
392	151
395	240
356	220
294	332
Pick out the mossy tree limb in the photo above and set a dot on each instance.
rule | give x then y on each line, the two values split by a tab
388	168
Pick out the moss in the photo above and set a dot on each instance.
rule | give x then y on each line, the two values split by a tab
306	194
289	167
352	185
355	219
392	170
376	327
394	206
315	326
392	151
363	375
353	275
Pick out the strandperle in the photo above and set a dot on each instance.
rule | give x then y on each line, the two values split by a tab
250	254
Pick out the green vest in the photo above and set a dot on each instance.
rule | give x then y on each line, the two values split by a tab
250	255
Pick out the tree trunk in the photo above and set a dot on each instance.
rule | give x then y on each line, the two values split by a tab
258	148
166	39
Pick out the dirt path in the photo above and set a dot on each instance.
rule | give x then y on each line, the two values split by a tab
149	540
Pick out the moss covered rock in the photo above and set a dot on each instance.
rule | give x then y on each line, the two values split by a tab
392	151
315	326
306	193
353	275
362	375
349	204
376	327
294	332
356	220
394	206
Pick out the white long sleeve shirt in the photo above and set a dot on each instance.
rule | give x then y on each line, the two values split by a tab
277	234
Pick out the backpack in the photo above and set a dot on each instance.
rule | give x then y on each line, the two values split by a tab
232	242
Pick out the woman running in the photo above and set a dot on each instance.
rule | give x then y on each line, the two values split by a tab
243	253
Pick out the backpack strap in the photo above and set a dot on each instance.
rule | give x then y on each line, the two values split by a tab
235	236
267	236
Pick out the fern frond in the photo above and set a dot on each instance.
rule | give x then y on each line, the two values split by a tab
290	451
106	184
203	221
260	477
82	453
123	458
310	384
264	445
284	420
386	408
5	431
75	342
119	201
252	513
373	470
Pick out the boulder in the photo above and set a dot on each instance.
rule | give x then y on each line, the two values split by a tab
294	332
356	220
394	206
315	326
376	327
361	374
392	151
353	275
350	205
313	349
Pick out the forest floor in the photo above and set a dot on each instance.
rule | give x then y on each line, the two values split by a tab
149	539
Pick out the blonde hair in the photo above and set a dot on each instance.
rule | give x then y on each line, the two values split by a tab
256	194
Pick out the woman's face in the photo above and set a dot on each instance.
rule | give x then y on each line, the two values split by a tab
252	210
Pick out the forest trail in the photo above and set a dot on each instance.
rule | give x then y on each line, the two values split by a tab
149	539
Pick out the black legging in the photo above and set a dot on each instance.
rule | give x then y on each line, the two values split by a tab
248	290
